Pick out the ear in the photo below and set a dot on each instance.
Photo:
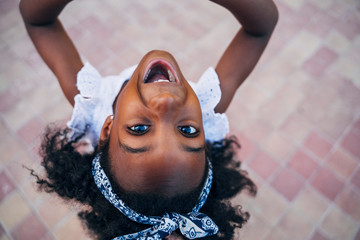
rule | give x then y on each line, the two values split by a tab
106	128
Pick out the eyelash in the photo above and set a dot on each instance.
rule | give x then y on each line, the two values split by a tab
193	134
136	131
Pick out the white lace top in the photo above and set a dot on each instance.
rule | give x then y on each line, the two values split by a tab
97	94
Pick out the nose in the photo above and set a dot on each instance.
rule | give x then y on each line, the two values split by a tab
165	103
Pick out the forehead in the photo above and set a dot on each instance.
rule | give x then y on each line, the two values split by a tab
165	172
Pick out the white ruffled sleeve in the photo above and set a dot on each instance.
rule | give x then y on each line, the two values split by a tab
207	89
88	81
94	102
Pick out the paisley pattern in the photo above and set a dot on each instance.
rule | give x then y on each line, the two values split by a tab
192	225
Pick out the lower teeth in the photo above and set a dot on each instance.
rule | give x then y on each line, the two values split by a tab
171	76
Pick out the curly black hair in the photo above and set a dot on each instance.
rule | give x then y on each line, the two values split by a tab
68	174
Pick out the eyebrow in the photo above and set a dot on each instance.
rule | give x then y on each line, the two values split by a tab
186	148
192	149
134	150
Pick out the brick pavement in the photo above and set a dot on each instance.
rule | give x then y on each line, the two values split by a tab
297	116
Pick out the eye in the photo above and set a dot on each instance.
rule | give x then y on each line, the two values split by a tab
138	129
188	131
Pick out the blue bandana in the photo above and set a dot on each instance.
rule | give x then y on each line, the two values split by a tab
192	225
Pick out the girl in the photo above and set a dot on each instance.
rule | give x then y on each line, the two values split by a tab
159	152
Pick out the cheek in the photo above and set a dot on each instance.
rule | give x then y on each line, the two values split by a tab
122	173
117	165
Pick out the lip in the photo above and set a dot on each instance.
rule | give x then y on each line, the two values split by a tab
165	63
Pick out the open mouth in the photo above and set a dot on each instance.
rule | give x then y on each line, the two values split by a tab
159	72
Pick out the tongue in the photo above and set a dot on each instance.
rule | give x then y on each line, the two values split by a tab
156	77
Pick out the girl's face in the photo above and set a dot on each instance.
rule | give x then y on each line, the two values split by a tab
157	141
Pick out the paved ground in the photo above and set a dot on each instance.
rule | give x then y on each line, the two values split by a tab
297	116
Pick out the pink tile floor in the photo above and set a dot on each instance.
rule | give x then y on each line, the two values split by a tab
297	116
